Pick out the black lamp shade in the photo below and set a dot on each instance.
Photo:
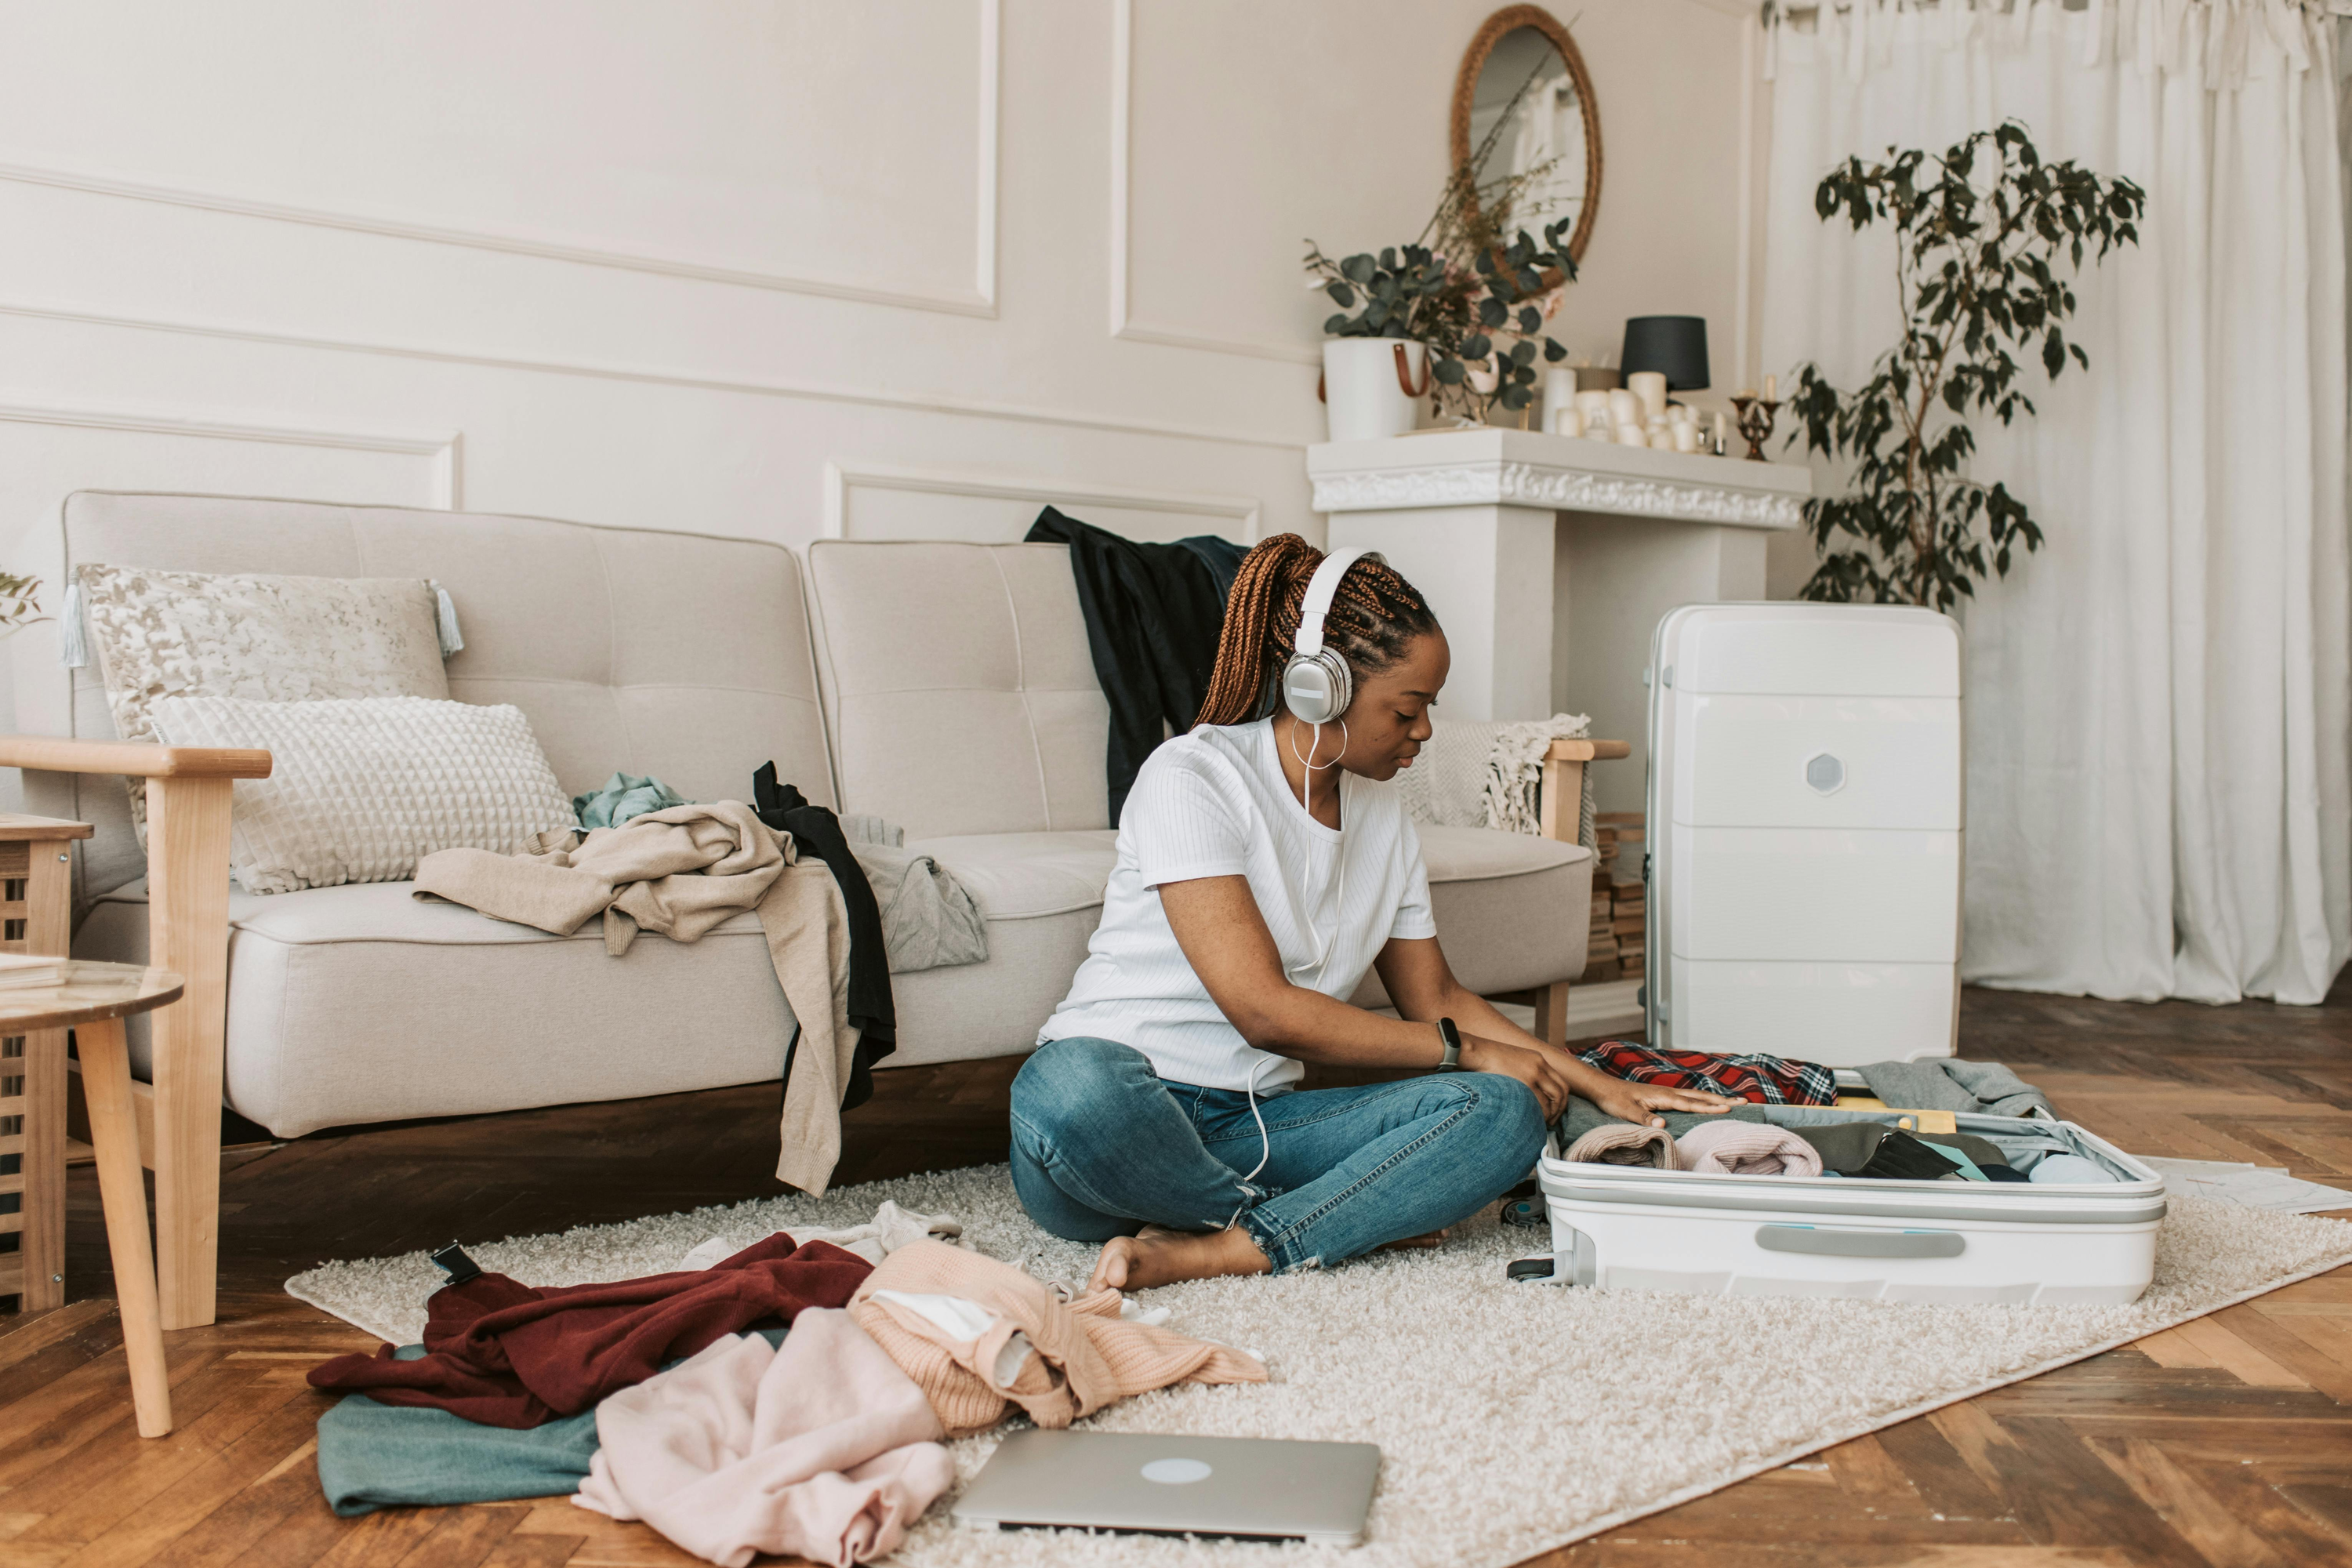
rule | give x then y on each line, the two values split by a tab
1675	345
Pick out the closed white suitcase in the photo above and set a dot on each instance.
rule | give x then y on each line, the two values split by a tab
1619	1227
1804	832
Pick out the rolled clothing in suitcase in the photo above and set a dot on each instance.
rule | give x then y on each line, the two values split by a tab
1620	1227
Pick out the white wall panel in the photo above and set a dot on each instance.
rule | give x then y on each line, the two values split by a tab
669	266
794	145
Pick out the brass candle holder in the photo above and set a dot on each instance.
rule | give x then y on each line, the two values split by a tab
1755	415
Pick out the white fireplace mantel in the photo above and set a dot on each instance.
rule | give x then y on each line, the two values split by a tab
1559	473
1549	559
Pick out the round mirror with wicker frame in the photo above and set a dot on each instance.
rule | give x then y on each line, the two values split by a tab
1556	121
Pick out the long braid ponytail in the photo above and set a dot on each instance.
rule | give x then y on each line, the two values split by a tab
1374	617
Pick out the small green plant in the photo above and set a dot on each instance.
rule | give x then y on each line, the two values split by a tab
1471	286
1981	233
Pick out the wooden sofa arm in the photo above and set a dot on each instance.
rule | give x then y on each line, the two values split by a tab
1563	781
187	932
134	759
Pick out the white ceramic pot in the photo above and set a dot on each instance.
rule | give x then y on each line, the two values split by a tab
1371	386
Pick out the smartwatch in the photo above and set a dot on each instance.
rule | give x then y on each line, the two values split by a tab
1453	1039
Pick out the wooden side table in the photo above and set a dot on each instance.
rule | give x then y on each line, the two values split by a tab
92	1000
36	918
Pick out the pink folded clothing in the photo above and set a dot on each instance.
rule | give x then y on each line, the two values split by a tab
979	1336
1626	1144
822	1449
1747	1149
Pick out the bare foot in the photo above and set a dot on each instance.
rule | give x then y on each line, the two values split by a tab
1159	1257
1413	1243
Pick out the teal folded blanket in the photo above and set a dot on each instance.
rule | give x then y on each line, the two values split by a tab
373	1456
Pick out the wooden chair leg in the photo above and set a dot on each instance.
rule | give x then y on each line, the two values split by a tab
41	1244
49	931
114	1139
1551	1014
187	932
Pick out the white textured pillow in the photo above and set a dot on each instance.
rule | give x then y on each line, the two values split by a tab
264	638
362	787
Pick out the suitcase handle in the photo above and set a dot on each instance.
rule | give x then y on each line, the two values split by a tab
1837	1242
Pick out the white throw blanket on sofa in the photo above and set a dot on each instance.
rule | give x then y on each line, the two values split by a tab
1481	773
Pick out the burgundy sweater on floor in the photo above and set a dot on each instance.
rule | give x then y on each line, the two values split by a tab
507	1354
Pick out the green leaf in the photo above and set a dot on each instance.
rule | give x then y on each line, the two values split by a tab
1523	352
1341	295
1477	345
1358	269
1553	351
1530	320
1449	371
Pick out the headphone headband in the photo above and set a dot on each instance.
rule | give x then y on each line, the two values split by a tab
1321	589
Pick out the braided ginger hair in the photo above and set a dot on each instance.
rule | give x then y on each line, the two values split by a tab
1374	617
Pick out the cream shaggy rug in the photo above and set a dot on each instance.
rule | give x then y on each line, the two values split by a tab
1511	1418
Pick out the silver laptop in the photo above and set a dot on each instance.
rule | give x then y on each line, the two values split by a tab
1258	1488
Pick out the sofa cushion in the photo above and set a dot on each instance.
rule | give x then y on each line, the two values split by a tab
958	686
364	1003
1513	911
639	649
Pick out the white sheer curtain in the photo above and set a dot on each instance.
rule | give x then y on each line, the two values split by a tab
2160	708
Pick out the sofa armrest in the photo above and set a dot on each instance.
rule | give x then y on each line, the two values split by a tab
188	800
134	759
1563	781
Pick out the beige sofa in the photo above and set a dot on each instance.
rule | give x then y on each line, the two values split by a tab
946	686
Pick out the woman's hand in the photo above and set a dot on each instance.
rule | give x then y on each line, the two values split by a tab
1540	1070
1640	1102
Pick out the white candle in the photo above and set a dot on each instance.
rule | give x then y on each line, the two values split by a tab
1595	406
1568	420
1650	386
1632	435
1771	389
1625	408
1722	433
1685	436
1559	392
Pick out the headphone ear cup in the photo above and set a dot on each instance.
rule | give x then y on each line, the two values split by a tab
1317	688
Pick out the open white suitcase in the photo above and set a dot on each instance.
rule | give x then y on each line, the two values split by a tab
1630	1228
1804	832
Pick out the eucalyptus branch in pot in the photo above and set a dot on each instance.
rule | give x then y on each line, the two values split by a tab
1483	323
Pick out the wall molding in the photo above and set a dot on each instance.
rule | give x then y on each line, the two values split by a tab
979	301
962	408
445	451
1122	184
994	484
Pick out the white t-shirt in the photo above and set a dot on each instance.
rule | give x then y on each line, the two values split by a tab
1215	803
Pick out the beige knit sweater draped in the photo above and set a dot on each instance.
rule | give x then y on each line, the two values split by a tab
681	872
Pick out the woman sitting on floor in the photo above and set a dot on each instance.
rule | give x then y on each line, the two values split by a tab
1264	864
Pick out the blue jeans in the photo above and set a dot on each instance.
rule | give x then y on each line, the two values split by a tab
1102	1146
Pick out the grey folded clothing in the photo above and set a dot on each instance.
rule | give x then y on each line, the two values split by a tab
929	920
1583	1116
1946	1083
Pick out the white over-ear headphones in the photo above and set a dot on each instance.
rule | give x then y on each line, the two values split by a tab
1316	685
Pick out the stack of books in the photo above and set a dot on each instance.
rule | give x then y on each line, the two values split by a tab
1614	949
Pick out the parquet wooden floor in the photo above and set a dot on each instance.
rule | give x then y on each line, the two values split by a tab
2226	1442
